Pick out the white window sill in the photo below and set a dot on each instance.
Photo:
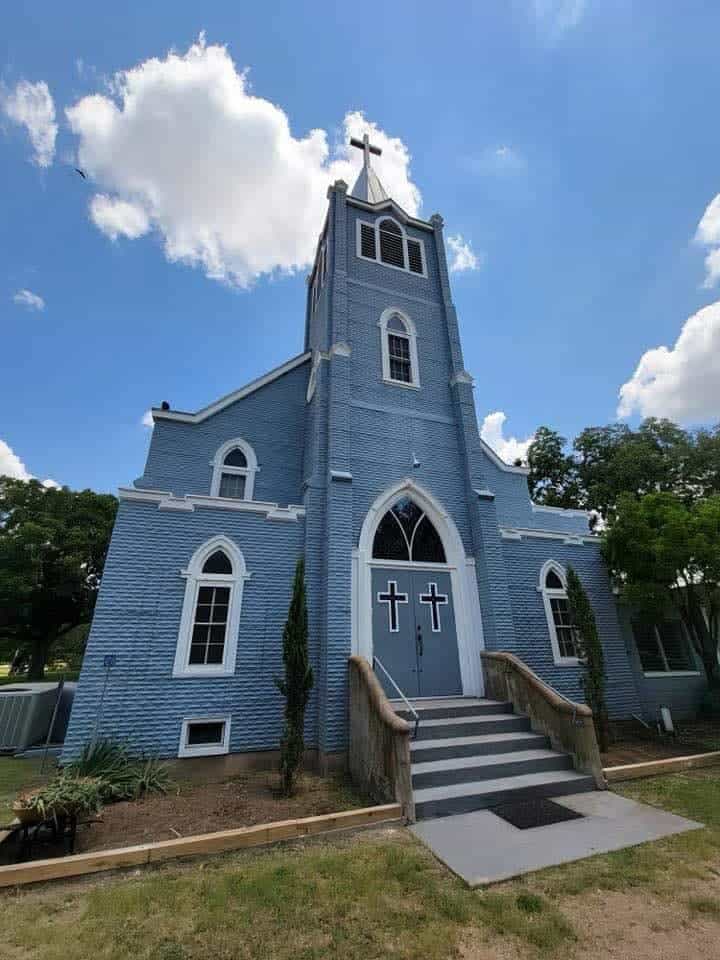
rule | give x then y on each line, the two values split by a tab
661	674
211	750
392	266
195	673
401	383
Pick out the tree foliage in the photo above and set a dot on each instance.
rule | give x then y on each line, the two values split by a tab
611	461
591	654
297	683
665	550
53	544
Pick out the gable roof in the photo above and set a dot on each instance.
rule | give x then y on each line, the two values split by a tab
218	405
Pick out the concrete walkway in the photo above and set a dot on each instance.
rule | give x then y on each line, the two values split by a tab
482	848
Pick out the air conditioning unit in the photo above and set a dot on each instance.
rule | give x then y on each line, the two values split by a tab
26	711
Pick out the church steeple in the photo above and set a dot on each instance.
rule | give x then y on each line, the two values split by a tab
367	186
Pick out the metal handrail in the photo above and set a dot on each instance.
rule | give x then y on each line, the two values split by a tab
405	700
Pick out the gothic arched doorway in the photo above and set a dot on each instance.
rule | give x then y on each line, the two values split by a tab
413	621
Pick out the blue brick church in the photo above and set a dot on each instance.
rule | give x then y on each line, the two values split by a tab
363	454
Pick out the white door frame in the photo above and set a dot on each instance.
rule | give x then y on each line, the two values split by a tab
466	601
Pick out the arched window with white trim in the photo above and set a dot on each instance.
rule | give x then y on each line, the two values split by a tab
399	349
406	533
386	241
234	469
563	632
210	620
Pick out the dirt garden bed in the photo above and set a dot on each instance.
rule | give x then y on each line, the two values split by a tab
633	743
189	808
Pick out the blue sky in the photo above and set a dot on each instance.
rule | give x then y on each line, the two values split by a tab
573	146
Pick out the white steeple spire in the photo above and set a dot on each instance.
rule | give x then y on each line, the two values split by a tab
367	186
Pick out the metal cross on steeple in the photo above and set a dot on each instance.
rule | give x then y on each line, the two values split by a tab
366	147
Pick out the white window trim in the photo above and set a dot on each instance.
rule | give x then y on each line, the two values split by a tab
204	750
661	674
248	472
375	227
411	335
548	595
195	579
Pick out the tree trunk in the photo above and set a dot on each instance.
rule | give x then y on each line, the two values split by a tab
38	654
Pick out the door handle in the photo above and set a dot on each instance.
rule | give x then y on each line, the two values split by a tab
419	641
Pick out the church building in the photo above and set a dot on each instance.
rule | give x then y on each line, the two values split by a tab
422	547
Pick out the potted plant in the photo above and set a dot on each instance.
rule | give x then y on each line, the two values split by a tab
65	797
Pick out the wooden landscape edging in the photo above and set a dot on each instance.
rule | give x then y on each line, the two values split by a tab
653	768
78	864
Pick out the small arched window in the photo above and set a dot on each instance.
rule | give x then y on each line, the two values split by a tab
399	349
207	641
563	632
407	533
387	242
234	469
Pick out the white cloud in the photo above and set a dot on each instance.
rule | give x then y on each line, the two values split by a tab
508	449
500	160
463	257
681	382
559	16
708	234
118	217
184	148
31	105
26	298
147	419
12	466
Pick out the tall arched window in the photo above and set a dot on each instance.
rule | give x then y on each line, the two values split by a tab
399	349
407	533
234	469
563	633
207	640
386	241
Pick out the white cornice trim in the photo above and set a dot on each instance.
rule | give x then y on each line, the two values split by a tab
567	511
462	377
225	401
574	539
390	204
168	501
499	463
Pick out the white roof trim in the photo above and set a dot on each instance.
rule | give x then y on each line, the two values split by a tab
188	503
225	401
384	205
519	533
567	511
501	463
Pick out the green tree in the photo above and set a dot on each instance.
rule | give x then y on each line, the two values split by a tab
53	544
665	551
297	683
591	654
553	479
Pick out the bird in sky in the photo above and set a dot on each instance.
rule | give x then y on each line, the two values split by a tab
81	172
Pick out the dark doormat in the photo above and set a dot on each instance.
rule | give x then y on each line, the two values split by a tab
538	812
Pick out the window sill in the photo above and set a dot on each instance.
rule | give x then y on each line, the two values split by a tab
216	750
391	266
661	674
568	662
195	674
401	383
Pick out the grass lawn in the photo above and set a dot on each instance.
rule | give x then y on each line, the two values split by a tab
380	894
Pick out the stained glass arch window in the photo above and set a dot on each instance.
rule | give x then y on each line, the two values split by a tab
407	534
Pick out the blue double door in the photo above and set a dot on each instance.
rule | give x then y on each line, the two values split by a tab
414	635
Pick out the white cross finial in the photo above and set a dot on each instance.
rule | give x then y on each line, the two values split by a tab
366	147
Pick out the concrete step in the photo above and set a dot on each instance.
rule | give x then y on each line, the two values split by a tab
455	798
460	707
472	726
436	773
475	746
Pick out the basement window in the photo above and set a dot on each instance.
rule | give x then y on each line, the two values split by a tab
204	736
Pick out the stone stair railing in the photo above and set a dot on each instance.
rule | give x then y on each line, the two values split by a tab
569	725
379	754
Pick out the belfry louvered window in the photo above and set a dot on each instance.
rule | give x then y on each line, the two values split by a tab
386	242
392	249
